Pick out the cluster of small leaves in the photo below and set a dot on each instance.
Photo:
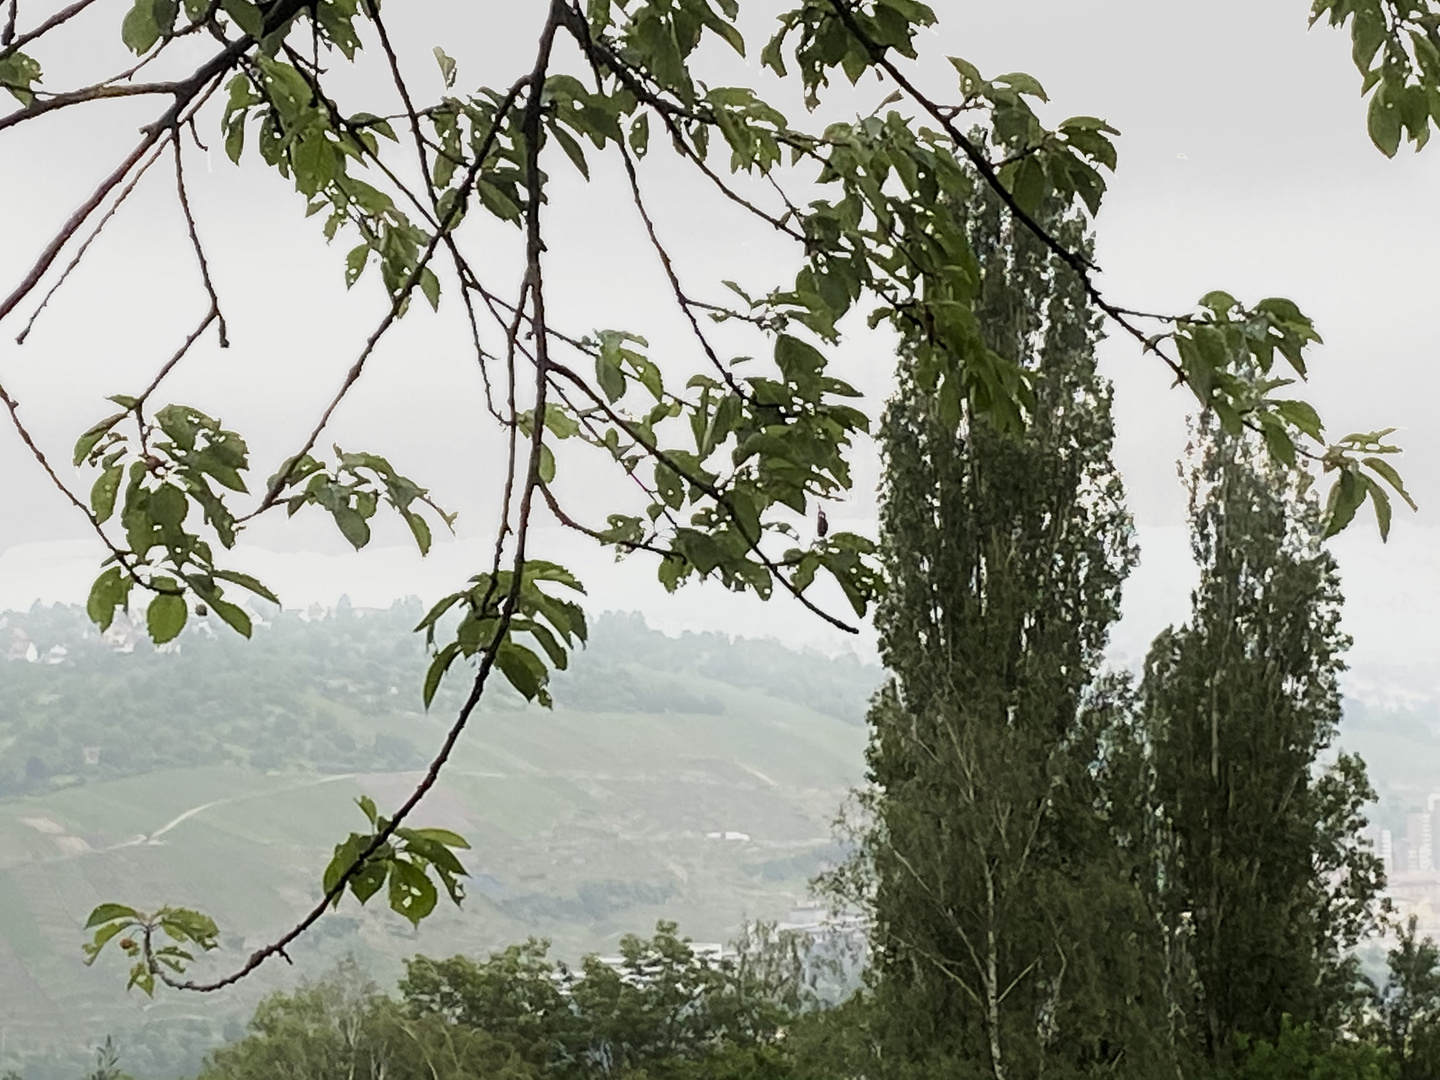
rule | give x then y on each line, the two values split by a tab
300	135
1396	47
183	459
152	22
757	450
184	929
474	133
825	39
1360	470
405	860
495	610
352	491
1228	355
659	38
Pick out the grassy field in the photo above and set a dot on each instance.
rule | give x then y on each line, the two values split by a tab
585	827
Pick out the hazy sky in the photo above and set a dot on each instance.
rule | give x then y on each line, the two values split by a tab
1244	165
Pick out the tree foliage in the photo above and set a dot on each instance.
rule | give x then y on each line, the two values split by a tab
1007	921
1265	873
728	460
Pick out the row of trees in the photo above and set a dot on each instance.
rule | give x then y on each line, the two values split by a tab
1070	875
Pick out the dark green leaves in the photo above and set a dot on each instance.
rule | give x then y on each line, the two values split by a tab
556	625
406	858
1362	471
160	944
352	491
1397	54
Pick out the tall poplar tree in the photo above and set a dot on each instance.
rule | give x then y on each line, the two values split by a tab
1266	872
1007	918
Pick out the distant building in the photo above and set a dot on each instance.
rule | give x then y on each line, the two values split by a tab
1419	841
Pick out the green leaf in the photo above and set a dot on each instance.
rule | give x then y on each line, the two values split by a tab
412	893
430	286
640	134
168	506
355	263
110	591
87	441
1303	415
105	913
103	492
246	15
245	581
420	530
443	836
438	666
352	525
447	66
1392	477
522	669
233	615
1346	495
369	809
1384	122
139	32
1383	511
93	947
165	617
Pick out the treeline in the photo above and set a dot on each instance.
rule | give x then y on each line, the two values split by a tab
307	694
663	1010
1071	873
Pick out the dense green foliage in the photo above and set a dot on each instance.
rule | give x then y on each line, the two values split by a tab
1264	870
657	1010
1008	938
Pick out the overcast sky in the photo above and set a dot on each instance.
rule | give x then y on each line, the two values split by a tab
1244	165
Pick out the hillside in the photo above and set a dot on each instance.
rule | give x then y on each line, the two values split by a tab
692	778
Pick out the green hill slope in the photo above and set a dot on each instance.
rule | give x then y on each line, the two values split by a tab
222	775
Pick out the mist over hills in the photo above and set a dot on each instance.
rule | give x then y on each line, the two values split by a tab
693	778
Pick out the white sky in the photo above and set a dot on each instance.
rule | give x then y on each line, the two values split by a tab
1244	165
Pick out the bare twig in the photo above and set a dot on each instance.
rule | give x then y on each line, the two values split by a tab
195	243
122	558
210	316
79	256
14	44
208	75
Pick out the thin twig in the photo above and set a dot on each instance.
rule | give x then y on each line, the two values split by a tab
195	243
13	407
161	128
210	316
79	256
15	44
